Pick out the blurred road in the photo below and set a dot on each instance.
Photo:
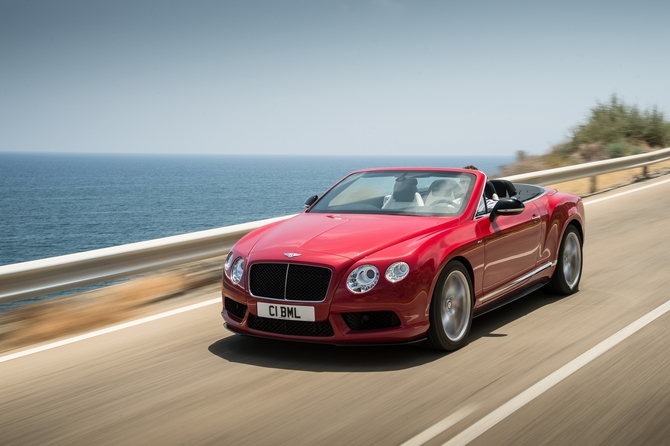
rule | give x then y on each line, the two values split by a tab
185	380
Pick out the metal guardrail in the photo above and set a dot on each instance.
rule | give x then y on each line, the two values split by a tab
39	277
593	169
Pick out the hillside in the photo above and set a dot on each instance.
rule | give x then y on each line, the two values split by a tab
611	130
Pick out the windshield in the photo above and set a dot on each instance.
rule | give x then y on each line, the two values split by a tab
431	193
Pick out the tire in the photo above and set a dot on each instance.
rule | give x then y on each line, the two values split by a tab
568	271
451	308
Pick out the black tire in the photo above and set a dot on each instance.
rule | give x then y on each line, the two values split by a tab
451	308
568	271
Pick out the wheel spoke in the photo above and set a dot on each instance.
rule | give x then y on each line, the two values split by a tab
455	305
572	259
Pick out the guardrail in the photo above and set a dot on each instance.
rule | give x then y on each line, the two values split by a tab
592	170
39	277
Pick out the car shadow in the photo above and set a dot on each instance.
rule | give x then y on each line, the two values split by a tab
321	357
269	353
485	325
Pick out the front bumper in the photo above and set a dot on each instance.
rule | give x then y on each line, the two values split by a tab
370	323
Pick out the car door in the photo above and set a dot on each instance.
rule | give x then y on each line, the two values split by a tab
511	246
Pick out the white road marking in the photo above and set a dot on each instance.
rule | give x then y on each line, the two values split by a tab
440	427
103	331
637	189
559	375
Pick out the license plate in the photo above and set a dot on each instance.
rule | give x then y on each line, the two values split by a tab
286	312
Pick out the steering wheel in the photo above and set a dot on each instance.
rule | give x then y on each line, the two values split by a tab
446	201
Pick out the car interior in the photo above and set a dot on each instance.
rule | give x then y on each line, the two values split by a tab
418	195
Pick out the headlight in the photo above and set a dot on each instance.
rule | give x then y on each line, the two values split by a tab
363	279
397	271
238	269
228	264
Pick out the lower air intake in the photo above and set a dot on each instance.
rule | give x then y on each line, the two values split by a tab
371	320
235	309
291	328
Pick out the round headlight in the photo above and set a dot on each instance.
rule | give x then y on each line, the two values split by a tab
363	279
238	269
397	271
229	262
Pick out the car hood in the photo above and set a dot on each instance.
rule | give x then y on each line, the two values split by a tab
343	235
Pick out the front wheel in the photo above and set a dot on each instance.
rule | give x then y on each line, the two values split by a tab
568	271
451	308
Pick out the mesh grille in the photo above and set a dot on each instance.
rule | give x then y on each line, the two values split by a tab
235	308
268	280
307	283
292	328
372	320
289	281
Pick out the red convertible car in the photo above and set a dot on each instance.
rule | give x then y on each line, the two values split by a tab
400	255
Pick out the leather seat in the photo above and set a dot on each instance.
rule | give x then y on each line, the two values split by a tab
405	194
439	191
504	188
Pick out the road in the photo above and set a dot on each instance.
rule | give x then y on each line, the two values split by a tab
184	379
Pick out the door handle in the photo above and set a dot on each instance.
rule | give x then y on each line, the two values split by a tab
535	218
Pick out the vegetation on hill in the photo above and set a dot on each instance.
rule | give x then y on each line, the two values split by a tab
612	129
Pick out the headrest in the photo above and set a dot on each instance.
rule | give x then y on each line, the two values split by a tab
404	189
446	187
504	188
437	184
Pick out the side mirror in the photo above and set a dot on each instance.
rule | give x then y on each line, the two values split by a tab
506	206
310	201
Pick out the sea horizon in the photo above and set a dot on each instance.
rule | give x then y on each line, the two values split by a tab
57	203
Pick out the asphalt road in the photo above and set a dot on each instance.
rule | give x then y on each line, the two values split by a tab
184	379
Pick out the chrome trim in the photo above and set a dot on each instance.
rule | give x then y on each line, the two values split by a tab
516	282
288	268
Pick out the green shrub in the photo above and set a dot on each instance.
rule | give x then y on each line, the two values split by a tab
620	126
622	148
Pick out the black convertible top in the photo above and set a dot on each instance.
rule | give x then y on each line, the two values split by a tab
525	192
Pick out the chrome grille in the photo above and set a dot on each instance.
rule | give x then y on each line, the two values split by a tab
289	281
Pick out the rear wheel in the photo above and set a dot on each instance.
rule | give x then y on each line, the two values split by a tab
451	308
568	271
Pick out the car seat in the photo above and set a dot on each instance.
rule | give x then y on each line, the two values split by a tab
504	188
405	194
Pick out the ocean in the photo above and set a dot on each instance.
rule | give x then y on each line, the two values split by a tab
53	204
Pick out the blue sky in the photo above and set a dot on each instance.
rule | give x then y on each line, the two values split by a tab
368	77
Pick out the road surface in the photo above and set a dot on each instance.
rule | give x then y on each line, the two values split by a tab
184	379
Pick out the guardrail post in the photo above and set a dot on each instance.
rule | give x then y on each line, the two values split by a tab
593	184
645	171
